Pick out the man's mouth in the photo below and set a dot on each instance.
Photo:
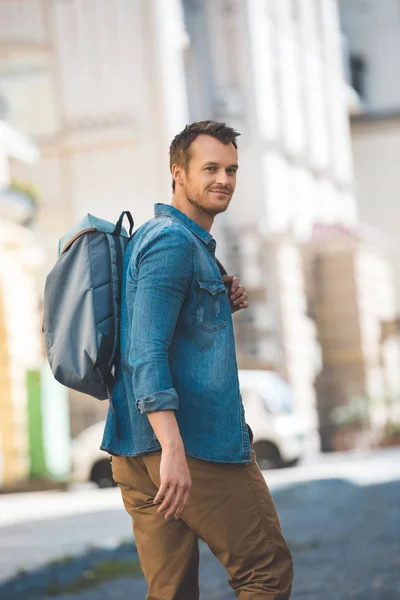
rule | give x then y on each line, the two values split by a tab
220	192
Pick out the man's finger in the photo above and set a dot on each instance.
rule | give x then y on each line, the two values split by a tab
235	284
161	493
240	290
227	278
175	504
240	307
168	499
178	514
240	299
183	504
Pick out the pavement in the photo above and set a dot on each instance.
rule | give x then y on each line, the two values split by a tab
340	514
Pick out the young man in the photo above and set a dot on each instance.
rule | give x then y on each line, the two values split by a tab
183	458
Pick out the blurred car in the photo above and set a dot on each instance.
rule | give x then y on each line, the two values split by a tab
89	463
278	432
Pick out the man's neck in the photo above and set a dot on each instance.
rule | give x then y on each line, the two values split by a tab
200	217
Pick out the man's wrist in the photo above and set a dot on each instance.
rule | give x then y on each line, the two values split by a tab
172	446
166	429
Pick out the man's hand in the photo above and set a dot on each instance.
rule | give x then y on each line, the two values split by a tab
238	295
175	482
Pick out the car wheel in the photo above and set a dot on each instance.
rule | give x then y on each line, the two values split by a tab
101	474
292	463
268	456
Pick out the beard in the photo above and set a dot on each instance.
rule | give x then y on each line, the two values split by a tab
202	202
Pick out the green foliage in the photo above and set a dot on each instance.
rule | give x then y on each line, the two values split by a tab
27	188
67	558
104	571
354	414
392	430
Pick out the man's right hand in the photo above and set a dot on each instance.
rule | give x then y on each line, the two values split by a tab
175	482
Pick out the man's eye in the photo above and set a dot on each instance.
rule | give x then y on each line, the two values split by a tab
210	168
231	171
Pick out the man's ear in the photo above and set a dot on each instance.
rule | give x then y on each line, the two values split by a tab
178	174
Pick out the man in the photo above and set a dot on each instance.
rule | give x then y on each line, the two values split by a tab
183	457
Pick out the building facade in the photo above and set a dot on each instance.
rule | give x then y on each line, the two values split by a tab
351	297
373	40
20	347
100	87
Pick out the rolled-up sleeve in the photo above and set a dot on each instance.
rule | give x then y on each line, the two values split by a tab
164	400
164	270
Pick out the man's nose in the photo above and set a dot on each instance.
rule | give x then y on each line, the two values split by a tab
222	177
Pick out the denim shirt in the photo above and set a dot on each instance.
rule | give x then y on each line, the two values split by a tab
177	345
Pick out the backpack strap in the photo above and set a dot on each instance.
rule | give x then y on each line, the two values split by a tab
221	267
105	365
118	226
109	381
106	375
223	272
116	265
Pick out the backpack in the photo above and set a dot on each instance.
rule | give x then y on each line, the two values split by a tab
82	299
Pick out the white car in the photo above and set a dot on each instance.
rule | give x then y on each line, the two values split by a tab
89	463
278	432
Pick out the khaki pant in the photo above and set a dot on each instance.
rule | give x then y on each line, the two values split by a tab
230	508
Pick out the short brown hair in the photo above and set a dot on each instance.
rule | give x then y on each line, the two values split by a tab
179	153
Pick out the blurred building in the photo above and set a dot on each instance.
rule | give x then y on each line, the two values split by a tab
20	346
351	293
373	40
98	86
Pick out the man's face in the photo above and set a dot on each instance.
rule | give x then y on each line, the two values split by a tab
210	179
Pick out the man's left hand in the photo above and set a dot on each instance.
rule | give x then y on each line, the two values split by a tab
237	294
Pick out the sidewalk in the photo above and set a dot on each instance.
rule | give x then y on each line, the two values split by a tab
341	517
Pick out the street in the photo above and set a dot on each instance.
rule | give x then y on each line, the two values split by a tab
340	515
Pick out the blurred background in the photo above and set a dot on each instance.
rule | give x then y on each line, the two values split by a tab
91	94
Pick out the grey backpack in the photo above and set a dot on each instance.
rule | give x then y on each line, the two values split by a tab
82	305
82	300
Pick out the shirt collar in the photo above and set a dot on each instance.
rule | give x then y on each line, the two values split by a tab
204	235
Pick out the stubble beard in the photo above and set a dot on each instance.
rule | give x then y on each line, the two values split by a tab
200	202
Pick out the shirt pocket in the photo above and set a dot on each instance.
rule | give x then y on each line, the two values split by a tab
210	305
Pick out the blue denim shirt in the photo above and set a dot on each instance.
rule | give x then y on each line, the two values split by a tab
177	345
